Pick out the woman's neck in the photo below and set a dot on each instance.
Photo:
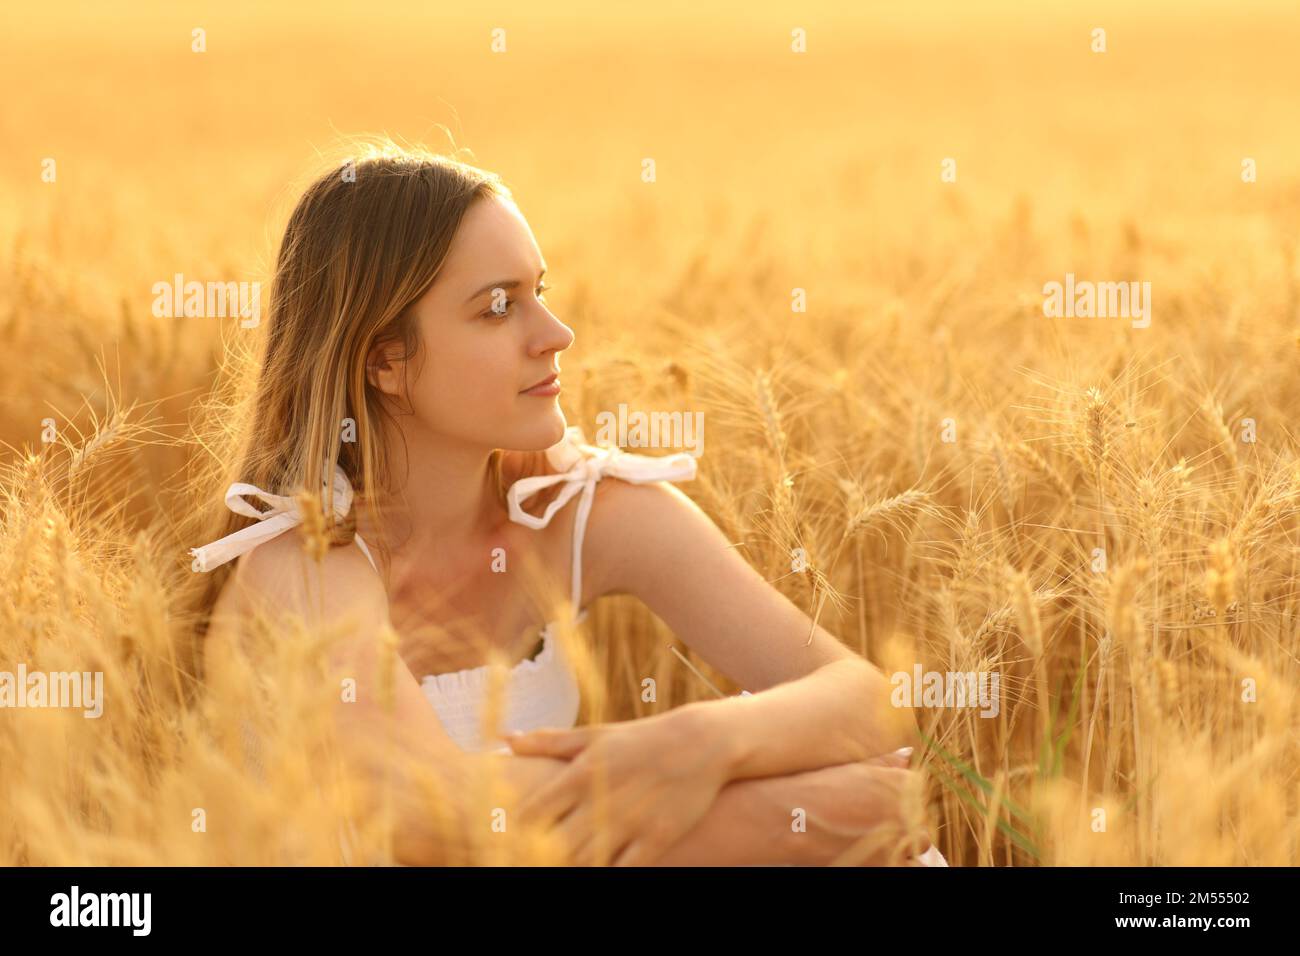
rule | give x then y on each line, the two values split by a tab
446	500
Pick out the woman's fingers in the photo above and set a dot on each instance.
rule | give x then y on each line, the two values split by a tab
912	814
579	831
565	806
552	800
894	760
903	825
637	853
599	840
901	758
574	840
864	817
550	742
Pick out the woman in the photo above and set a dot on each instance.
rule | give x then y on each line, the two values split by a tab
409	343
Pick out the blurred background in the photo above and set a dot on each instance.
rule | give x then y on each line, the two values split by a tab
776	169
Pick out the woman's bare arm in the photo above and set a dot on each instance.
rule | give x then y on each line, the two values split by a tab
813	702
440	798
806	818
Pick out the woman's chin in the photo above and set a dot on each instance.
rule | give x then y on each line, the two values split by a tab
545	431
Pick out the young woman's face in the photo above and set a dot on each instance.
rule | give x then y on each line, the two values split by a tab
486	337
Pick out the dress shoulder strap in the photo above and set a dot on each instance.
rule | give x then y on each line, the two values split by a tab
579	466
282	514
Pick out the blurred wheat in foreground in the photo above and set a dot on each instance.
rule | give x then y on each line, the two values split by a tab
1107	517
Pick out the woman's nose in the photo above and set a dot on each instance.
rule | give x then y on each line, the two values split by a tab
557	335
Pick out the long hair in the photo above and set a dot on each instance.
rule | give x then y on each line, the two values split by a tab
364	242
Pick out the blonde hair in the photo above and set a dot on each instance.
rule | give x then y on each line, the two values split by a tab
364	242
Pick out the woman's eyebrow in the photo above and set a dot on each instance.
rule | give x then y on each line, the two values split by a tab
502	284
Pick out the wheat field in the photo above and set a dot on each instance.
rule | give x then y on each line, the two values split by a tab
1102	512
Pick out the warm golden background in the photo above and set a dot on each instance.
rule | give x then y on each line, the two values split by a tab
776	171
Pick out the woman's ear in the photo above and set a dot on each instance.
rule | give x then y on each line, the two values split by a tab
383	370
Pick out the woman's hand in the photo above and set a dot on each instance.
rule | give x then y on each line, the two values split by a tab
859	814
632	789
751	821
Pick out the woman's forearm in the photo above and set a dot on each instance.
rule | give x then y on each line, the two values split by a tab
838	714
807	818
749	824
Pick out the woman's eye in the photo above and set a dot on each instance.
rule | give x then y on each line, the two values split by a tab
504	308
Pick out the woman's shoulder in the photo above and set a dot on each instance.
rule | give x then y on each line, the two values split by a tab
559	532
280	574
623	512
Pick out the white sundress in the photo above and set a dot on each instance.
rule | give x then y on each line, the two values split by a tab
542	691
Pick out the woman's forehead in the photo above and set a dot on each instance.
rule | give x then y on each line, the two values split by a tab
493	242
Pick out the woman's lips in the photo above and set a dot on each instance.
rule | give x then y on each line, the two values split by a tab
550	386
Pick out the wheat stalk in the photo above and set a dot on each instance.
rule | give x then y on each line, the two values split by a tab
1028	454
897	512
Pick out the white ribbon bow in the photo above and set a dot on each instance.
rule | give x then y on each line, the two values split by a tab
579	473
282	515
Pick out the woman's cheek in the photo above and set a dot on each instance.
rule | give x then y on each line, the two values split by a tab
447	394
483	388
